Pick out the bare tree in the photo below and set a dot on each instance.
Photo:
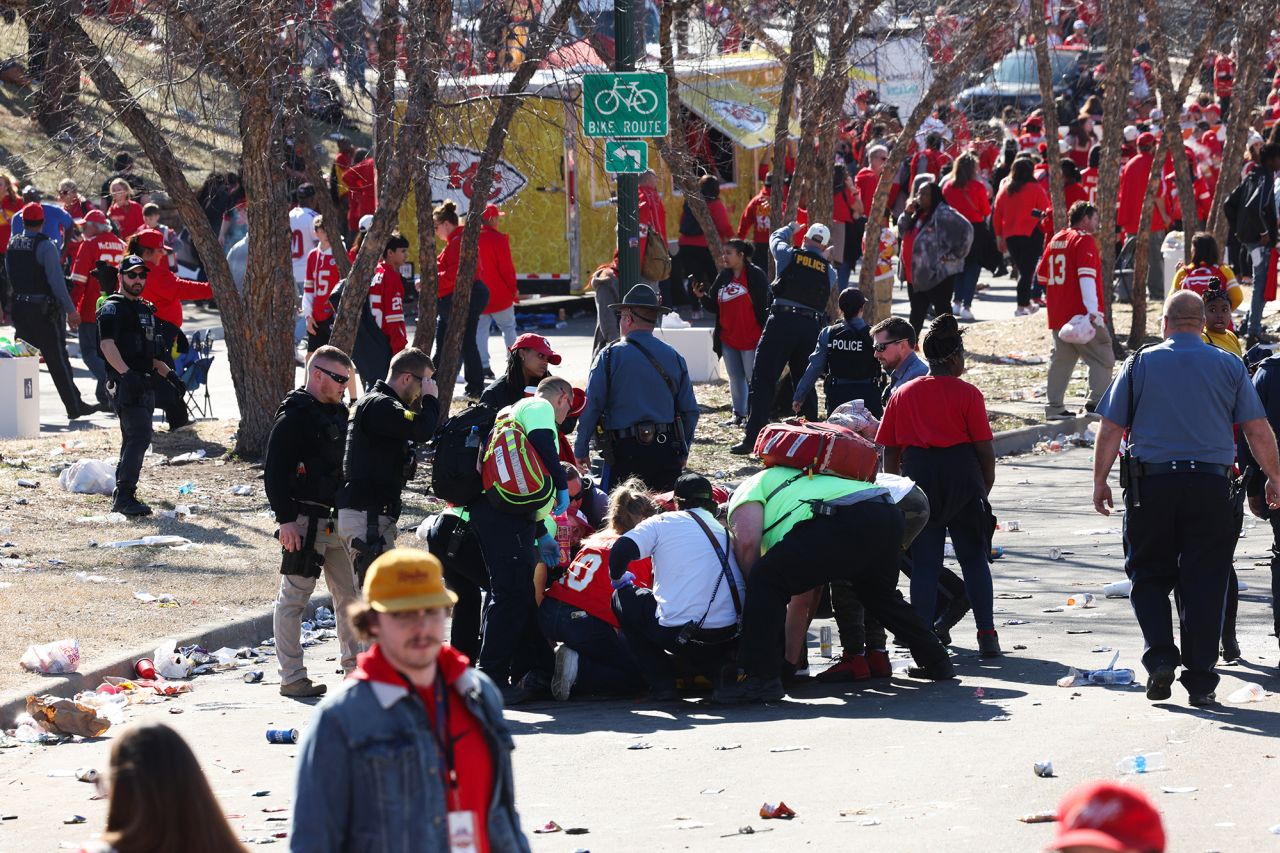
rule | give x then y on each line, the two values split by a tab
1049	113
1121	37
1141	255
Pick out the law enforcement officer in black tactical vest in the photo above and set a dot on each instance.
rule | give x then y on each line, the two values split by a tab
397	412
128	343
40	301
640	406
302	473
845	360
799	311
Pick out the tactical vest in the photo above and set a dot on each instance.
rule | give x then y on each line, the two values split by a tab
324	430
26	274
805	280
136	337
382	467
849	353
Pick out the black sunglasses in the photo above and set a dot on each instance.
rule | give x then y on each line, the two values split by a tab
336	377
134	275
884	346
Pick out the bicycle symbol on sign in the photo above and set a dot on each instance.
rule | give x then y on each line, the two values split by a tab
625	94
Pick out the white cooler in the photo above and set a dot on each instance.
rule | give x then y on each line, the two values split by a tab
19	397
696	347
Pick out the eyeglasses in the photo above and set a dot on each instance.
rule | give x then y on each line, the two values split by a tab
422	378
576	497
884	346
136	276
336	377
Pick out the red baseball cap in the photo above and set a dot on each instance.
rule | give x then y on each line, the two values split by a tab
579	402
32	212
537	343
1108	816
1146	139
149	238
491	211
95	216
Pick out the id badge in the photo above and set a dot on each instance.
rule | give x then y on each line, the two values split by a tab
462	832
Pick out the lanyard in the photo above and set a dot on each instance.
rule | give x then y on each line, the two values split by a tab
440	734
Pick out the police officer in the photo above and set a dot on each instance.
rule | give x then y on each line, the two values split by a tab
1179	400
131	348
395	413
799	310
639	400
40	299
302	473
844	356
793	532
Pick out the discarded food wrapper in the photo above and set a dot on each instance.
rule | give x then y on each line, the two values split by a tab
1186	789
1118	589
1043	769
728	746
88	477
52	658
1039	817
788	748
66	716
170	662
548	827
184	458
243	490
781	811
1250	692
1017	622
1080	599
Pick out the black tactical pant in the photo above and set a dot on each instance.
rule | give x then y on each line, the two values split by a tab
134	414
788	341
35	324
657	464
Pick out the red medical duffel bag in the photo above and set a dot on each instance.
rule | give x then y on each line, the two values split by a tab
818	448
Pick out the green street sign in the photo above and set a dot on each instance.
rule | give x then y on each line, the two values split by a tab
626	103
626	157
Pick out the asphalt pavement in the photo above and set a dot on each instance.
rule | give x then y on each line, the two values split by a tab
896	765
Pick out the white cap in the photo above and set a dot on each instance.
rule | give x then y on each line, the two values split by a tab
1079	25
366	222
1255	138
818	233
1130	133
1157	114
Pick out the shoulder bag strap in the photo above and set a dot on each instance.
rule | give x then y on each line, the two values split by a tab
724	562
771	494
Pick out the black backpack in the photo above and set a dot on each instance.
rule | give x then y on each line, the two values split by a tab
459	444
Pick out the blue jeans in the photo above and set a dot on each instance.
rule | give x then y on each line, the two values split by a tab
970	541
88	334
738	363
604	663
967	283
1259	301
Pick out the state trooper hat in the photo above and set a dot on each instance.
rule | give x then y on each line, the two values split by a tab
641	296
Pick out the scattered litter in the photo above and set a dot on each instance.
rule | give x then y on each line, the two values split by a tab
788	748
1017	622
88	578
1170	789
151	541
52	658
1118	589
74	819
640	745
187	488
1250	692
260	793
728	746
1079	631
1098	531
781	811
978	693
28	484
1013	526
1058	553
852	812
1101	650
1146	763
1053	610
1039	817
282	735
1021	648
1043	769
243	490
86	774
548	827
164	599
742	830
185	458
66	716
712	791
1080	600
866	821
1017	596
170	662
109	518
573	830
88	477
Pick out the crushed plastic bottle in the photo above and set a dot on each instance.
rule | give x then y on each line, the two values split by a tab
1109	677
187	488
1080	600
1142	763
1251	692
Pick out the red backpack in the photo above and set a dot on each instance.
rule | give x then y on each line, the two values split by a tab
514	476
818	448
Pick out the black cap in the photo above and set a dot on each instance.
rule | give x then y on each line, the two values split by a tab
694	490
132	263
306	191
30	193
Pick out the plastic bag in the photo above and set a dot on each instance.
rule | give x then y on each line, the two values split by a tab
66	716
170	663
88	477
1078	330
855	415
52	658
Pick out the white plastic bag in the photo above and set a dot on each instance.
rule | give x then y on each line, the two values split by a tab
52	658
88	477
1078	330
170	663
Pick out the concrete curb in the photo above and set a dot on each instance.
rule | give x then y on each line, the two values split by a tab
1014	441
245	632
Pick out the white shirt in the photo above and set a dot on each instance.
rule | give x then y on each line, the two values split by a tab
685	568
302	240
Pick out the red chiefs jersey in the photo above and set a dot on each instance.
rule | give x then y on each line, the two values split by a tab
1089	180
586	584
754	224
1224	76
85	289
322	278
1070	256
386	301
1202	276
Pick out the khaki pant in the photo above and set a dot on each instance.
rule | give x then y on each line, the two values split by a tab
353	524
295	593
1097	355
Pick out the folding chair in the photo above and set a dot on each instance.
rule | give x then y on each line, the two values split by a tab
195	377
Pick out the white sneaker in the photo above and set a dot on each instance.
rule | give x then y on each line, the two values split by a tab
566	673
956	308
965	314
1023	310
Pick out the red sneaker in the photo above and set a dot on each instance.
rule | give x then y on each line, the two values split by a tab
878	662
848	668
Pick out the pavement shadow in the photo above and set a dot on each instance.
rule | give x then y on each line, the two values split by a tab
1241	719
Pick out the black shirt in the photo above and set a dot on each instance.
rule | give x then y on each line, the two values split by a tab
303	465
131	323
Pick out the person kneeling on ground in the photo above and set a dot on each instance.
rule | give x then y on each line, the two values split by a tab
416	723
792	532
577	613
694	608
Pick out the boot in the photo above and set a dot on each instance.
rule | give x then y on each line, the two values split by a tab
950	617
989	644
125	502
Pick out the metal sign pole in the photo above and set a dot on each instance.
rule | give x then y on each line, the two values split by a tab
624	31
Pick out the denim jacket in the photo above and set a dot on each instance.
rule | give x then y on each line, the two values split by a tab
367	777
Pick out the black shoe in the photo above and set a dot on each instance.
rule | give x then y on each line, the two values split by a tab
536	684
83	411
989	644
951	617
1090	408
749	690
488	374
741	449
1063	415
663	695
1230	650
178	423
1160	684
943	670
1203	700
126	503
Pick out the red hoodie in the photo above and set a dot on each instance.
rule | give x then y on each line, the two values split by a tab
447	263
473	760
166	291
495	268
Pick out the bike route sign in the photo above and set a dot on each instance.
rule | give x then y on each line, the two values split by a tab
626	156
626	103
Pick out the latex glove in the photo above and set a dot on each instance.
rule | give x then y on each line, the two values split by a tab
549	550
562	502
1097	318
627	579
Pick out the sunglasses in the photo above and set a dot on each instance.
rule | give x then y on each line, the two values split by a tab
336	377
884	346
576	497
136	276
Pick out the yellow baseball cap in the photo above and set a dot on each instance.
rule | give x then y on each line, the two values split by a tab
406	579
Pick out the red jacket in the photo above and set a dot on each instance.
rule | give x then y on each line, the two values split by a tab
362	191
1012	216
128	219
85	289
1133	189
1071	193
652	215
866	181
720	216
386	302
447	263
495	268
754	223
166	291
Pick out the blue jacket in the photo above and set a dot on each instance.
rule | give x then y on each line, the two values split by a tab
368	780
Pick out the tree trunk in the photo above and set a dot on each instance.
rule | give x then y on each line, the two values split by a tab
451	346
56	100
801	39
1138	292
1120	45
323	198
1049	112
384	96
1172	102
424	336
1254	28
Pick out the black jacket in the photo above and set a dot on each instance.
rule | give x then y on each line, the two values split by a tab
378	460
501	394
304	456
757	289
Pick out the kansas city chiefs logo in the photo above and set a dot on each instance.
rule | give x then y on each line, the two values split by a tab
453	173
